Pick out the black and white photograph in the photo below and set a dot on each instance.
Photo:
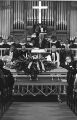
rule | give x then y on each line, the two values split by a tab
38	60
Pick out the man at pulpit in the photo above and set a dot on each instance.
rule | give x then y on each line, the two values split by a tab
41	38
38	36
45	43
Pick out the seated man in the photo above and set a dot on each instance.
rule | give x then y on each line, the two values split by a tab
13	52
75	82
64	54
35	40
13	55
6	83
55	56
5	44
23	61
70	66
23	52
48	62
69	63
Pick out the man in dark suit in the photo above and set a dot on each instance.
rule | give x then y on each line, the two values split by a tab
8	76
45	43
35	40
23	52
6	84
58	45
22	61
71	67
13	52
5	45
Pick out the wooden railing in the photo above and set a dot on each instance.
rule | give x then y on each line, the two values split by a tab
2	50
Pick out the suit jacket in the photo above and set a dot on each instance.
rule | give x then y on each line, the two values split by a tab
22	54
5	46
70	74
15	55
9	80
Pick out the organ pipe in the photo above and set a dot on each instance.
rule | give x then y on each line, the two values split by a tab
47	15
61	15
16	18
52	15
0	22
18	14
32	15
4	21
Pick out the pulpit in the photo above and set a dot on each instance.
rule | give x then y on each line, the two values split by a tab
38	51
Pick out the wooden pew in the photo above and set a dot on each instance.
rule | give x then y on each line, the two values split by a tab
75	101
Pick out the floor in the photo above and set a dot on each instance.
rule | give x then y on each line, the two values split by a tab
39	111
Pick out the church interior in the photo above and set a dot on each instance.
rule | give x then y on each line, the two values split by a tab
38	59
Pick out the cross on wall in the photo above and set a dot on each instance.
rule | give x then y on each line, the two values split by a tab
40	8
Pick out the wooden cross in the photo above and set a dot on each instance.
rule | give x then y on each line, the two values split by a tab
40	8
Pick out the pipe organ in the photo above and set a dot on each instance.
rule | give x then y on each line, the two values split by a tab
33	15
47	14
61	12
5	19
54	15
18	11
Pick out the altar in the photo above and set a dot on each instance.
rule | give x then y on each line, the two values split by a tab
48	83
